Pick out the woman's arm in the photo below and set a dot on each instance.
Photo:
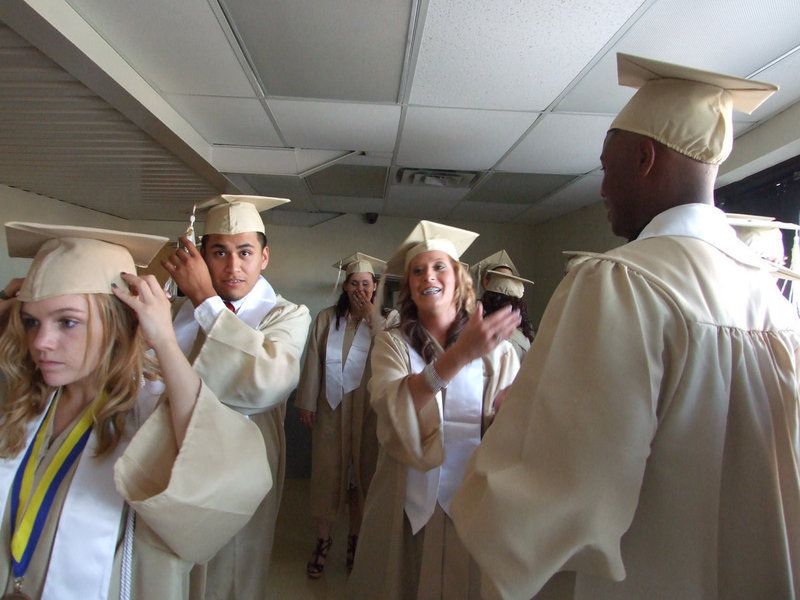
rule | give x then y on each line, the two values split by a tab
152	307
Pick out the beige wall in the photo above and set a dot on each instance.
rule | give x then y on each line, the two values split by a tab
301	258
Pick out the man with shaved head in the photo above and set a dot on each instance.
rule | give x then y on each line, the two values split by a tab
649	445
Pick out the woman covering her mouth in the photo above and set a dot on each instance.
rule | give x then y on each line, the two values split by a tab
436	382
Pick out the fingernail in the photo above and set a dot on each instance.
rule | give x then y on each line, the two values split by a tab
114	285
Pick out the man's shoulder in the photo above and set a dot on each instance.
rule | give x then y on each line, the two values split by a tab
286	309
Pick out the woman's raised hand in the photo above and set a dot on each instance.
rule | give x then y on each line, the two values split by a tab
151	305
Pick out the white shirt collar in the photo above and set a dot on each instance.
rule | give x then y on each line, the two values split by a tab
703	222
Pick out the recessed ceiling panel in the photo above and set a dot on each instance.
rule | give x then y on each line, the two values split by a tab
584	192
508	54
343	50
276	186
422	202
516	188
239	121
176	46
346	204
337	125
489	212
461	139
567	144
348	180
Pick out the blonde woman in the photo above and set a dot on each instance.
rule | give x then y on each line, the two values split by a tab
436	381
104	494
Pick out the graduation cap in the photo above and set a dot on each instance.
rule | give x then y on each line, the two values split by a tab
686	109
427	236
764	236
77	260
229	214
359	262
494	261
505	283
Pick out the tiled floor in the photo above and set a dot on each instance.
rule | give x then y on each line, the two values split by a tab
294	541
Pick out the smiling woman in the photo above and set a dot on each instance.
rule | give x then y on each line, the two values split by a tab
436	382
81	438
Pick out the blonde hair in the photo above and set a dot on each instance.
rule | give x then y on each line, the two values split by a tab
463	298
122	367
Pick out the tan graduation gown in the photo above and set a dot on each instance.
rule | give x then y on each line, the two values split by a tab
391	563
252	371
520	343
649	447
188	501
342	435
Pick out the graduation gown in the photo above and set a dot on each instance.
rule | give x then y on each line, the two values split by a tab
649	447
392	563
253	370
187	501
342	435
520	343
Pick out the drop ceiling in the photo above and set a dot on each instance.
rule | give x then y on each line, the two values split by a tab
439	109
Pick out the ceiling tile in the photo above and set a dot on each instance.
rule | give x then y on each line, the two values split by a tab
712	35
177	46
346	204
508	54
422	202
441	138
343	50
337	125
239	121
583	192
516	188
560	143
349	180
490	212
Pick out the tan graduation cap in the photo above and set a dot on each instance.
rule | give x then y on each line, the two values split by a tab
231	214
686	109
359	262
427	236
505	283
494	261
77	260
763	235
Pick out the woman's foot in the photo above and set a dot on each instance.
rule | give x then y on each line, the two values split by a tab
352	541
316	565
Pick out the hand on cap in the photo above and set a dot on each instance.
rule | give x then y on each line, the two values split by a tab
152	307
9	293
187	267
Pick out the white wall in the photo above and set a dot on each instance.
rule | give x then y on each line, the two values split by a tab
301	258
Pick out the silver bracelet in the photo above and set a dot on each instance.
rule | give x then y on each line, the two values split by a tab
433	379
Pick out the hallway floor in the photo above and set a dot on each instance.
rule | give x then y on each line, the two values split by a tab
294	541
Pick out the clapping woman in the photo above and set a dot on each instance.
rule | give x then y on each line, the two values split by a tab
435	382
103	493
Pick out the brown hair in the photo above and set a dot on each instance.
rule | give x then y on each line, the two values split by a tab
464	299
120	373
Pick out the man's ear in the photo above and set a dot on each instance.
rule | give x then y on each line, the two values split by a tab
264	257
646	156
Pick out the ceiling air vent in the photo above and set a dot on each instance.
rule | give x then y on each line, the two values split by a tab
437	178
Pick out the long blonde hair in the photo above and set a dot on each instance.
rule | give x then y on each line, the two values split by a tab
123	365
463	298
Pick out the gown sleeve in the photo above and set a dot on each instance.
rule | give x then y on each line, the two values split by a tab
196	497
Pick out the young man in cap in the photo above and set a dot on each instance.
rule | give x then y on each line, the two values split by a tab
245	341
649	446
